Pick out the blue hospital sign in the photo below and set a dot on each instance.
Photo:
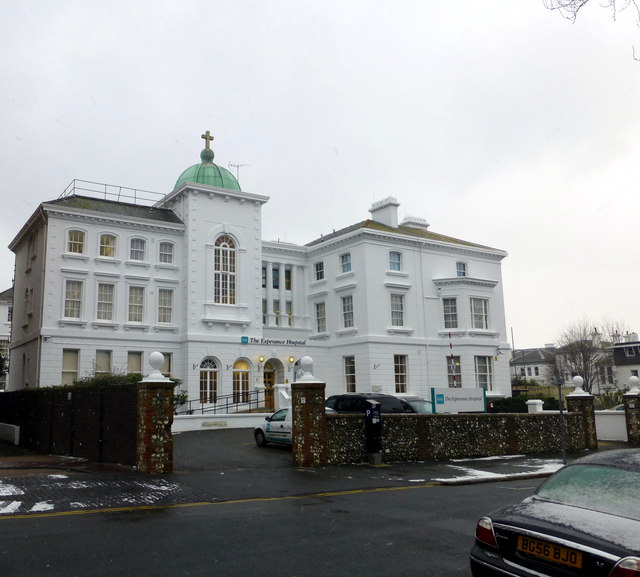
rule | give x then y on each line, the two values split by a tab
244	340
440	399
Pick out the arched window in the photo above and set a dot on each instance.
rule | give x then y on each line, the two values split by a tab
208	381
224	271
240	382
137	249
165	252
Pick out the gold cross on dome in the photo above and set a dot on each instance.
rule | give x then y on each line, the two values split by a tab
207	138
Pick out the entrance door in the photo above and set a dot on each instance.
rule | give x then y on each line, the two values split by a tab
269	381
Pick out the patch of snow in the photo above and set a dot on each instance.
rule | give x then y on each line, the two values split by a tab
8	490
493	458
77	505
58	476
42	506
8	507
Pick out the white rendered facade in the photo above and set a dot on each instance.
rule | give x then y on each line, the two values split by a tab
378	306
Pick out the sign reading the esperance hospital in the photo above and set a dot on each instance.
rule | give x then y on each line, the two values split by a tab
462	400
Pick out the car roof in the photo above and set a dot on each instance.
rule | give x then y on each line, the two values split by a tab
621	458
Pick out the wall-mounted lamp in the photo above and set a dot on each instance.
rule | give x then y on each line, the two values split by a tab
291	360
261	359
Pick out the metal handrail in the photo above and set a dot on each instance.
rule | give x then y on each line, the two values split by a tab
112	192
241	402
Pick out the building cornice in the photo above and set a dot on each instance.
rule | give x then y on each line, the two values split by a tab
105	220
465	280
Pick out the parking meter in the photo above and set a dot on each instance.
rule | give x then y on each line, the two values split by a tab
373	431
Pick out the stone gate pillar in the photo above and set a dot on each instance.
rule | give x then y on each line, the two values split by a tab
631	402
309	436
154	442
582	402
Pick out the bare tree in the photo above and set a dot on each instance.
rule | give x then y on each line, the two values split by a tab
570	8
581	350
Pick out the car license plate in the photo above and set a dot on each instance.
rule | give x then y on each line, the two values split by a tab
550	552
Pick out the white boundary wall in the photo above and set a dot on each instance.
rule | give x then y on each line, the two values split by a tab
184	423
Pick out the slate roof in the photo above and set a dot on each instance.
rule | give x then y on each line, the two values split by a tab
7	295
116	208
532	356
406	230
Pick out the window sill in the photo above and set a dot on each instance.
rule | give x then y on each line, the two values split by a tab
319	337
105	324
136	327
108	259
137	263
72	322
75	256
165	328
347	332
399	330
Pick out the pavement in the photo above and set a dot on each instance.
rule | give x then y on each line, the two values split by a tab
218	466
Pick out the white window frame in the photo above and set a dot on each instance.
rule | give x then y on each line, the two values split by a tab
450	312
136	304
346	306
479	313
397	310
73	299
320	316
165	306
137	249
454	372
395	261
484	372
318	269
70	366
105	304
166	252
76	244
349	364
108	245
462	270
103	362
400	372
345	262
134	362
225	270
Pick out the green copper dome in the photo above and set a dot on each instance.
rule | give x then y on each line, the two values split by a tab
208	173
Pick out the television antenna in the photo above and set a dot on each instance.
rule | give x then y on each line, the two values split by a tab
237	167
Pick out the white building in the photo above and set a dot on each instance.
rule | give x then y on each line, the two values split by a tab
101	283
6	311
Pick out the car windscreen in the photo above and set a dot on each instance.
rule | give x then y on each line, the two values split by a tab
601	488
420	406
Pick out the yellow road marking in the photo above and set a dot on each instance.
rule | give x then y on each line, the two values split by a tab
218	503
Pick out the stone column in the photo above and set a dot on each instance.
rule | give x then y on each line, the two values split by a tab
154	442
581	402
309	436
631	401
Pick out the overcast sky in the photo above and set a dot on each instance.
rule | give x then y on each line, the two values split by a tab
499	122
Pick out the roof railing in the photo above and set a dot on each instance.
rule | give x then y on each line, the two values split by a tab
112	192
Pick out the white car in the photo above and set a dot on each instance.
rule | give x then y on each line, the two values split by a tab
275	429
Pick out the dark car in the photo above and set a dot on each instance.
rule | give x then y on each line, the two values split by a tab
359	402
584	521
